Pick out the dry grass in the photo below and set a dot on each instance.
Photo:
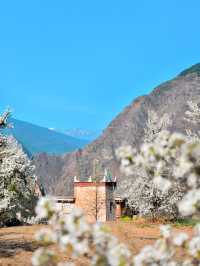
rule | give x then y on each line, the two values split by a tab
17	243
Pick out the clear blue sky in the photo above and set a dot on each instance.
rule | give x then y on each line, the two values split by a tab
68	64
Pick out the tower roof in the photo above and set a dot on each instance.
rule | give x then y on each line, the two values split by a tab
105	179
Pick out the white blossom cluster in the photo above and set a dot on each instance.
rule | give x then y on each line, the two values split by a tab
144	198
170	161
17	186
164	251
155	124
193	112
151	170
74	234
192	116
142	194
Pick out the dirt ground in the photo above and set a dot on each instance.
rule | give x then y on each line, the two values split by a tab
17	243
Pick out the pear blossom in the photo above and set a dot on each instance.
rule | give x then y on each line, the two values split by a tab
17	186
73	233
190	203
45	207
194	247
43	257
152	169
192	116
156	255
118	255
46	235
180	239
192	180
165	231
162	183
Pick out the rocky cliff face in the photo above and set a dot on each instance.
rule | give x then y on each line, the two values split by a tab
171	97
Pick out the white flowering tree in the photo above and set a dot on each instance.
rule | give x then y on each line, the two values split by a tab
74	235
182	158
192	116
17	181
142	195
145	199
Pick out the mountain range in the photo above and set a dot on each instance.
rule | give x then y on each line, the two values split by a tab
83	133
56	172
36	139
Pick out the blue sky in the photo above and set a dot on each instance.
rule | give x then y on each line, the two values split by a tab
77	64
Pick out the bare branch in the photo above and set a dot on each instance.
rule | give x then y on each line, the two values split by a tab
4	119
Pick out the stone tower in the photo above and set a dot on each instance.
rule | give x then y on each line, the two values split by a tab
96	198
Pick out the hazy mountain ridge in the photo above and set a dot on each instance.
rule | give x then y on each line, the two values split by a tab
36	139
127	128
82	133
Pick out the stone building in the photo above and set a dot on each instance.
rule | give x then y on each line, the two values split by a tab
95	198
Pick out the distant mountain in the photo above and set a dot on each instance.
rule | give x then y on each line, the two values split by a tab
127	128
36	139
79	133
82	133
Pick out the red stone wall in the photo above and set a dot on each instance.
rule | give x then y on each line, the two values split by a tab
91	197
